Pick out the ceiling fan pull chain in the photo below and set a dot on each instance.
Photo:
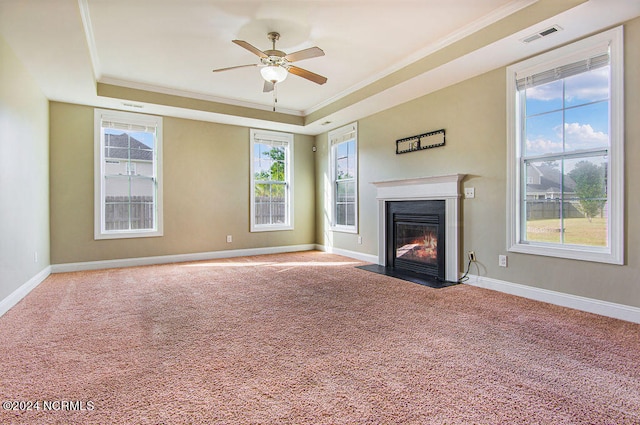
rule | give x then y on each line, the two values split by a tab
275	95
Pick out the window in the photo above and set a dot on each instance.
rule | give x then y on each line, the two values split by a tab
271	181
128	184
344	176
565	135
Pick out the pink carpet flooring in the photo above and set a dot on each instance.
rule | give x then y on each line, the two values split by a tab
305	338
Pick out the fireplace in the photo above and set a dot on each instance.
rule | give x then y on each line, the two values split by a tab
419	228
416	237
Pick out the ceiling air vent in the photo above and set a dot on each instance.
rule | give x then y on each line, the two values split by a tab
541	34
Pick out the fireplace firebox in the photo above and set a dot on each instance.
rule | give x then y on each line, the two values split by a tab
416	237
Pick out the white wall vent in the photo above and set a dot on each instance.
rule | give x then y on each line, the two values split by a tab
543	33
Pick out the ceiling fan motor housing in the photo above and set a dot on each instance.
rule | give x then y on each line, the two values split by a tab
276	57
274	60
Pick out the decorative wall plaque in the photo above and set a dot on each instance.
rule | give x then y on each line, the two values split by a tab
433	139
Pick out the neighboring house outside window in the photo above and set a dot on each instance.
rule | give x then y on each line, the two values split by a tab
128	190
565	134
343	152
271	205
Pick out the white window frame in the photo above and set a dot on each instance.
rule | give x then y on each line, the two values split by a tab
132	119
264	136
614	252
340	135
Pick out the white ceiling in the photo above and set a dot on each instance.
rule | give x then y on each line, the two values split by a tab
153	45
171	47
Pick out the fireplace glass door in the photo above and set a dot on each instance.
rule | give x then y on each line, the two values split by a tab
417	242
416	237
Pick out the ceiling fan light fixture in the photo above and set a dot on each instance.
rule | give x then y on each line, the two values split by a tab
274	73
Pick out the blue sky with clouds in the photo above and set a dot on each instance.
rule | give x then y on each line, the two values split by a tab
582	124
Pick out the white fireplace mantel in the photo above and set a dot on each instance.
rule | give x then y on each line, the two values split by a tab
445	188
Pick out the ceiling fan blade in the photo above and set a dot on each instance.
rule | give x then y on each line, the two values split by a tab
311	52
319	79
251	48
268	86
233	67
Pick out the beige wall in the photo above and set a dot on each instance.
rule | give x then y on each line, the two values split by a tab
24	175
206	191
474	115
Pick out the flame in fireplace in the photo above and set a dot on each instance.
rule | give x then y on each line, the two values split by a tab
423	248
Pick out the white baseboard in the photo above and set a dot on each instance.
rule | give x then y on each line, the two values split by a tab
351	254
590	305
23	290
178	258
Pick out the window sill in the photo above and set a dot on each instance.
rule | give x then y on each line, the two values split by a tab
595	254
344	229
270	228
126	234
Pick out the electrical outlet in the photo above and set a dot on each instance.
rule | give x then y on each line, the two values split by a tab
502	260
472	256
35	256
229	238
469	192
359	240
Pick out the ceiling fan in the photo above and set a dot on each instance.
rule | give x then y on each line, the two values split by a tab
276	64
